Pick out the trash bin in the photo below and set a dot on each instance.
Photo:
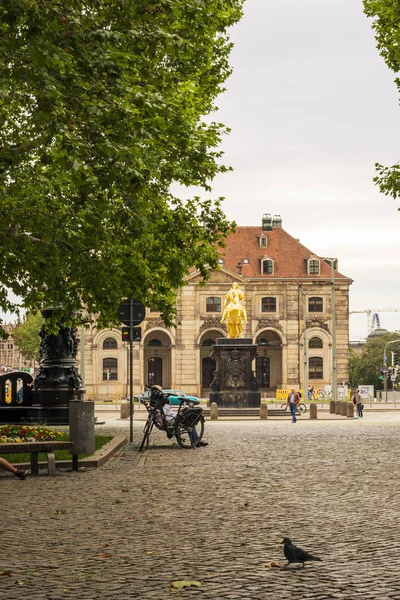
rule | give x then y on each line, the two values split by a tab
81	426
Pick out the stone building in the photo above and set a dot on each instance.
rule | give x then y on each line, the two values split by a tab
11	356
280	278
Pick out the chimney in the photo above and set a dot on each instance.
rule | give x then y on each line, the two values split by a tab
277	221
266	222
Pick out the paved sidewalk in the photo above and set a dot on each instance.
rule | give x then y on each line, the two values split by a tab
215	515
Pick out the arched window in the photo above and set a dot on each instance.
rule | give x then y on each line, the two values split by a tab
110	343
315	342
315	367
268	304
110	369
315	304
213	304
313	267
267	267
155	343
208	342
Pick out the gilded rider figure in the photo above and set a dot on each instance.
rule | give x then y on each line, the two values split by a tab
234	314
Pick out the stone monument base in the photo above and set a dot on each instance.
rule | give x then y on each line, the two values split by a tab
234	384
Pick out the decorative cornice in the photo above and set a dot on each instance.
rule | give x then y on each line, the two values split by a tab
157	322
265	323
322	324
212	323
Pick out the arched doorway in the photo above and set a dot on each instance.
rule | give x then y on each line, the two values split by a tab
157	359
208	364
263	374
269	361
154	370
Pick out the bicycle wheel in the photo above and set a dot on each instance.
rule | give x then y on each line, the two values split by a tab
302	408
146	433
189	428
283	406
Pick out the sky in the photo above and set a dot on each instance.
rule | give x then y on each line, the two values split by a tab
312	107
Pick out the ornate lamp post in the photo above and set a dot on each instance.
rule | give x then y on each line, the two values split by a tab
58	380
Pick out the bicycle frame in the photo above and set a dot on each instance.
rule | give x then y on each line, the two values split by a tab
157	418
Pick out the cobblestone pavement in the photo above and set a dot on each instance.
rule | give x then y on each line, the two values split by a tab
214	515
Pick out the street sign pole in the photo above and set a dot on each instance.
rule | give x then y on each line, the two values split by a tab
131	370
131	312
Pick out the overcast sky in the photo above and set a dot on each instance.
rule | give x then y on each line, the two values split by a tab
312	107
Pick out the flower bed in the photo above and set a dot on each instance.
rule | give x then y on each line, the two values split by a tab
24	433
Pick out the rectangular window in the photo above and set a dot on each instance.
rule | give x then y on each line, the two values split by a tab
315	367
315	305
263	242
268	267
268	304
213	304
313	268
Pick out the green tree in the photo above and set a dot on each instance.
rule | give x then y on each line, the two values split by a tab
386	18
365	367
26	335
103	105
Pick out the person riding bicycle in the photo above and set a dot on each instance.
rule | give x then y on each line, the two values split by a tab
169	415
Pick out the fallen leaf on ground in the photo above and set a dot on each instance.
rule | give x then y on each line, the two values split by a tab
273	565
178	585
8	573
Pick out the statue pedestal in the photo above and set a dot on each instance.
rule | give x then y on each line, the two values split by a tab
58	380
234	384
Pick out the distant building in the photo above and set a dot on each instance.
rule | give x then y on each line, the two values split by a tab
11	356
280	277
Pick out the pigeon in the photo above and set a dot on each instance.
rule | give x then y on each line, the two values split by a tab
294	554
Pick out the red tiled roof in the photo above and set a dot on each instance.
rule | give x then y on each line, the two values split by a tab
286	251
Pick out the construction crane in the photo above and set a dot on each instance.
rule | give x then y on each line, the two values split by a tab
373	316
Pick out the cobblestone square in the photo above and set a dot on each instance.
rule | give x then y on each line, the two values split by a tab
215	515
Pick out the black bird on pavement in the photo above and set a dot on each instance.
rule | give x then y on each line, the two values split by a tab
294	554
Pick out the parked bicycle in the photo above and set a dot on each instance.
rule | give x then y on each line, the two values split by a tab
301	408
187	425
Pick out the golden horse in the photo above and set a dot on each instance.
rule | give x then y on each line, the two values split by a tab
234	314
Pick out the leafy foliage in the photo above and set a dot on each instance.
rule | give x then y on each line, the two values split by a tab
365	368
386	15
103	105
26	335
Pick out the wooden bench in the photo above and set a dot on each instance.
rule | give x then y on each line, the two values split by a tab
34	448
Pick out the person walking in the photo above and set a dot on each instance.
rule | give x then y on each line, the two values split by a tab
292	402
359	404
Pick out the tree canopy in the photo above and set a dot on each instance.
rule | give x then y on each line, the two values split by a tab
26	335
386	19
365	367
103	105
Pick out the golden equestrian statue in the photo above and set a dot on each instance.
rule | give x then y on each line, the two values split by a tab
234	314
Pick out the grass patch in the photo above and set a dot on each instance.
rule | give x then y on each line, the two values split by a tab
25	457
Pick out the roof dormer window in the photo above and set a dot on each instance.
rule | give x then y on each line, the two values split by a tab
263	241
313	266
267	266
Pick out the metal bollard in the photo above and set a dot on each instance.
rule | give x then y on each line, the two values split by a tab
338	407
350	410
264	411
124	414
313	411
344	409
81	429
332	407
213	411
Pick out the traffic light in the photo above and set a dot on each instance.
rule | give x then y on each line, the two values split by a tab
136	334
395	359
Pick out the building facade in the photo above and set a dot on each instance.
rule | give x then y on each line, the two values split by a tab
11	357
289	294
